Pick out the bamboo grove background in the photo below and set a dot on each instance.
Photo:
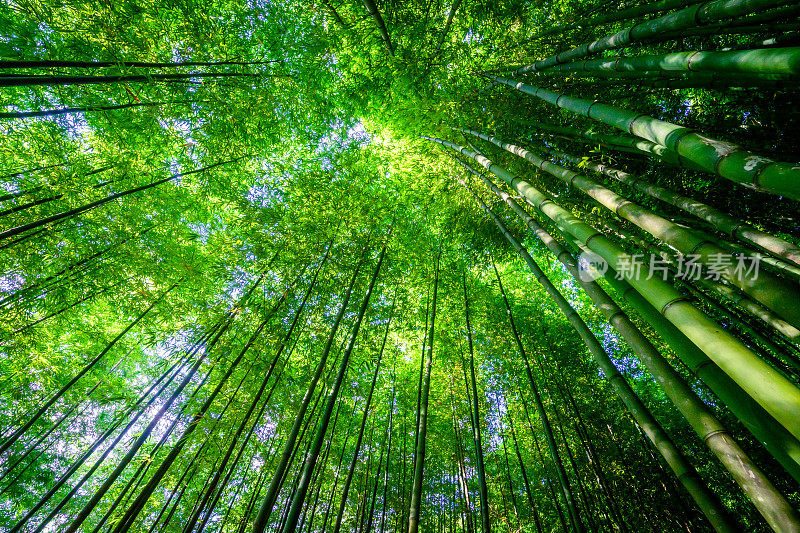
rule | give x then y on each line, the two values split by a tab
313	267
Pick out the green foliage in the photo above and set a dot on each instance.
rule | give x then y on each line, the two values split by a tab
317	128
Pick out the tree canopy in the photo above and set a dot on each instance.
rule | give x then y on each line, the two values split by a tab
521	266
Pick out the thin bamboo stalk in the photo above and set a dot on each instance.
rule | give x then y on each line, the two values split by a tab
697	15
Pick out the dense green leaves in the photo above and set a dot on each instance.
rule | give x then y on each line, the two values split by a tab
161	227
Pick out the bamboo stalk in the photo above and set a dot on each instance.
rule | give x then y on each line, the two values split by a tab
717	157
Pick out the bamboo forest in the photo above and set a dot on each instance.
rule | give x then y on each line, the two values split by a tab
413	266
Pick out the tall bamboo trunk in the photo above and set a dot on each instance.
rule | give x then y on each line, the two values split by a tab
373	498
720	220
614	16
169	375
332	496
52	63
56	80
584	494
354	461
461	471
136	507
372	9
422	424
322	427
589	448
192	521
390	429
89	366
773	292
511	491
217	332
769	501
476	417
623	143
145	434
756	63
85	109
133	483
48	199
661	28
180	483
268	504
554	500
97	203
67	272
566	488
528	489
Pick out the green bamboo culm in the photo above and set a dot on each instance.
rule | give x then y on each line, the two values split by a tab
730	296
702	14
310	461
783	446
722	292
685	472
761	62
711	78
779	396
625	14
779	266
475	415
53	80
721	221
278	476
718	157
547	428
623	143
415	505
776	294
786	332
770	20
769	501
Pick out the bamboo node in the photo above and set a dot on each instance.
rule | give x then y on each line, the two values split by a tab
698	245
757	175
714	434
671	303
589	109
630	126
588	239
621	204
618	313
689	61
